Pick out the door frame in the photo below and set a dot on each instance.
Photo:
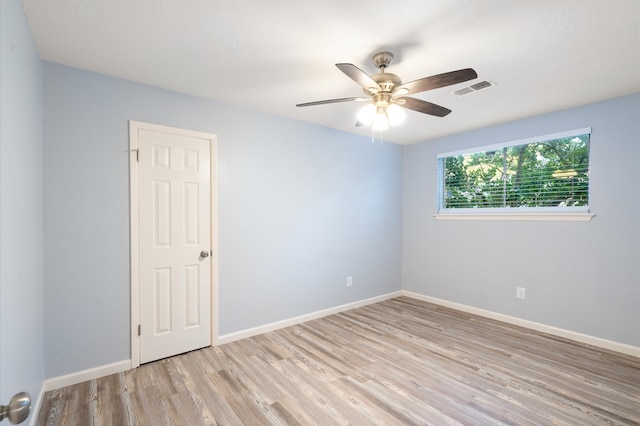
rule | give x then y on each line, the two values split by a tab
134	145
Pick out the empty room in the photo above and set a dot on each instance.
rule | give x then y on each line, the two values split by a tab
340	212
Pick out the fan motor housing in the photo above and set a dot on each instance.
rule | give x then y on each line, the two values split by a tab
387	81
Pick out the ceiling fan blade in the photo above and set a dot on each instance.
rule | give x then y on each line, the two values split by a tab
423	106
359	76
437	81
333	101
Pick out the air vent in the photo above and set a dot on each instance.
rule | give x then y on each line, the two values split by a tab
473	88
463	91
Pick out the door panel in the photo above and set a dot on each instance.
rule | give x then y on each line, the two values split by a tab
162	300
174	228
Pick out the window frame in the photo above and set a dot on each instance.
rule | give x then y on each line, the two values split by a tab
579	213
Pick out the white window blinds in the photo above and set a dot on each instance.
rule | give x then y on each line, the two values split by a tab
544	173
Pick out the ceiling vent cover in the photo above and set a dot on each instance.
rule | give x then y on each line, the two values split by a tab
473	88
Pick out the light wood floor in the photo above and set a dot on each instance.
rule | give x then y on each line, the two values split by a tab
398	362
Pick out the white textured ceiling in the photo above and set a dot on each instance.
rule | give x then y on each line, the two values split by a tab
268	55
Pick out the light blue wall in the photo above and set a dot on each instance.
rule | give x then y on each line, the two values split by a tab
301	207
21	284
583	277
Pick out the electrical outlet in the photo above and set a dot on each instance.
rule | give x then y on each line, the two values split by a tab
349	281
521	292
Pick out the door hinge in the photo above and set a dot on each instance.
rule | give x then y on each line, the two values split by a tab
139	330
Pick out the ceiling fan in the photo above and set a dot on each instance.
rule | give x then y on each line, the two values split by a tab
387	94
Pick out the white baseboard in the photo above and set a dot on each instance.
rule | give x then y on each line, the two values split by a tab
35	406
124	365
567	334
83	376
231	337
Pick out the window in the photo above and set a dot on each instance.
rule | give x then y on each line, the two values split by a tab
546	174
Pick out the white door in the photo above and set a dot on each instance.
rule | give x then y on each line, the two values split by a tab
175	250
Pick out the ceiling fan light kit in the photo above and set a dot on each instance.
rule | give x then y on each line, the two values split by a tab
380	116
386	93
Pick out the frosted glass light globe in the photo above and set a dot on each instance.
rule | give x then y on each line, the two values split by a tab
380	122
395	114
366	114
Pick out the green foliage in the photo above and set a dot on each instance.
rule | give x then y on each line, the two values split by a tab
544	174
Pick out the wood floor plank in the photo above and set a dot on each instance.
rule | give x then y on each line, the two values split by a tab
398	362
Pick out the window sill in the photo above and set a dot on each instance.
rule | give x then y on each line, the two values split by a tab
540	217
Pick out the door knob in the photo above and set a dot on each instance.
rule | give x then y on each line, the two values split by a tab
204	253
18	409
